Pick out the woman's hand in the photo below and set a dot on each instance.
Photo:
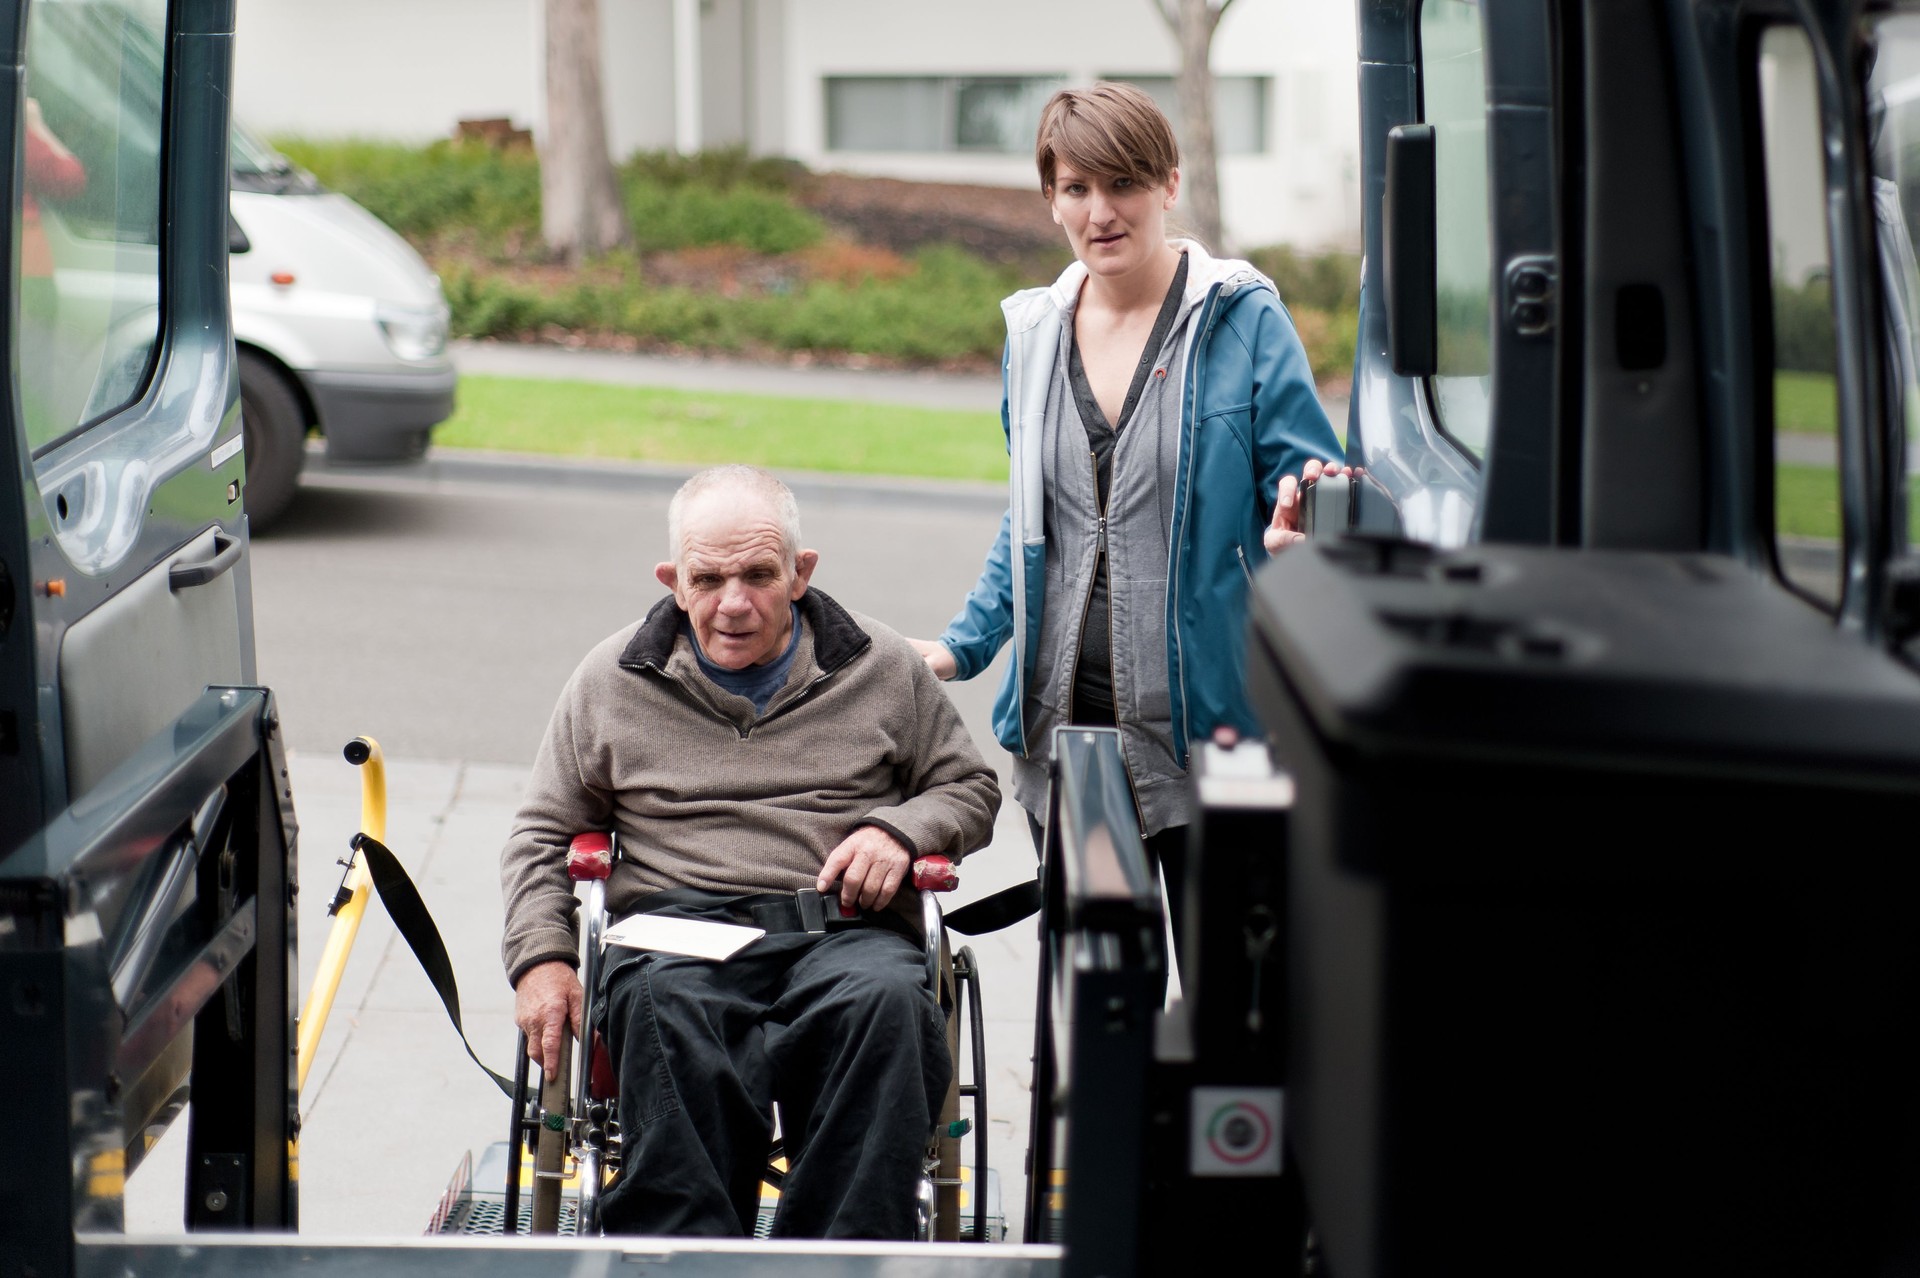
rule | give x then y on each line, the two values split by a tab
938	659
1285	528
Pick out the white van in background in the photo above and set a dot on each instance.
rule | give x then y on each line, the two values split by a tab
339	325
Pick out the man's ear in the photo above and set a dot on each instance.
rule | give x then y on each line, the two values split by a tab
803	566
669	576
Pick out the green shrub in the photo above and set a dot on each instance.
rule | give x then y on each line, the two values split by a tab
1327	281
475	194
727	167
445	188
948	308
687	216
1803	327
1330	338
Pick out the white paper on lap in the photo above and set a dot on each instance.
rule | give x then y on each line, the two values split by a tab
696	938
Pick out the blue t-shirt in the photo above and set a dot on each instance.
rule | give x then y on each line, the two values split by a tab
756	683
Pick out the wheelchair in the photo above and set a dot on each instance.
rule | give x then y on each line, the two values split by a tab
569	1124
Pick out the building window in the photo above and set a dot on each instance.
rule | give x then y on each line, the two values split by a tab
991	114
1239	108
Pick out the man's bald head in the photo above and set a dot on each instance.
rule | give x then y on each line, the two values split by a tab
728	489
737	566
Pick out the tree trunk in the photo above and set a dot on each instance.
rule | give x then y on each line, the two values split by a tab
581	209
1193	23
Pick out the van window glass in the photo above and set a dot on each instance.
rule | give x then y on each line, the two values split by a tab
1893	125
1806	477
251	155
87	251
1453	89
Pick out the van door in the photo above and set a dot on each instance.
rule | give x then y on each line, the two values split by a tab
1461	263
145	828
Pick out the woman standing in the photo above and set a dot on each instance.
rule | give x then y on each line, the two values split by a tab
1160	415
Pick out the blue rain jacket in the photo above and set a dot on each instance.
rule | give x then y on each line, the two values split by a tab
1249	415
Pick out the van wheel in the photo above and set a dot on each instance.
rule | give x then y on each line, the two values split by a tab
275	434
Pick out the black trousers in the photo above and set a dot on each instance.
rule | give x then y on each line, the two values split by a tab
840	1030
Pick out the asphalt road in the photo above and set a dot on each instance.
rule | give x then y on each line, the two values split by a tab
440	609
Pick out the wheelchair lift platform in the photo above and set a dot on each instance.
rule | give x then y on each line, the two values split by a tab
475	1204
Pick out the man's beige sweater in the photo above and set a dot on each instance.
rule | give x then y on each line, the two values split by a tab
705	794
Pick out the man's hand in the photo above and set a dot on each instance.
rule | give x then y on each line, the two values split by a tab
1285	529
938	658
870	865
547	1003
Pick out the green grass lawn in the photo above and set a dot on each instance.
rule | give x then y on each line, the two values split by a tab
579	419
1806	501
1804	403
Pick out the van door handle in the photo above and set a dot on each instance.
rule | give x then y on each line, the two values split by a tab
226	553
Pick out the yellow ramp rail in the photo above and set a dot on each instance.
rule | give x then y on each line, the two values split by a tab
364	753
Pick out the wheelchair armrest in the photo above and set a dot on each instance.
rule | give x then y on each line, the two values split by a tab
931	876
935	874
591	856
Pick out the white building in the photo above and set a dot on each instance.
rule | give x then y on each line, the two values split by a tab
923	89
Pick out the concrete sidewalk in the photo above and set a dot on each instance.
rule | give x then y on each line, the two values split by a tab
905	387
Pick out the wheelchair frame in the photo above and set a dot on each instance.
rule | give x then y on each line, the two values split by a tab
560	1120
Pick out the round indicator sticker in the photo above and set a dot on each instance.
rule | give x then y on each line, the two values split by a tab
1239	1133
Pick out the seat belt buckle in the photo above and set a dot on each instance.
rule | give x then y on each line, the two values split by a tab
823	913
813	911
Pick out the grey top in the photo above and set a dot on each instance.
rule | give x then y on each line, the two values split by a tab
1092	697
1133	534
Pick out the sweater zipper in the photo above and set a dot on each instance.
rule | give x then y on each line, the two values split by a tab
1176	560
1113	682
1100	554
747	731
1241	551
798	697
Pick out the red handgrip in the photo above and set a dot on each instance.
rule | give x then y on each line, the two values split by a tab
935	874
590	856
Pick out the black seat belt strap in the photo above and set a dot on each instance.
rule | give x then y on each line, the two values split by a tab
991	913
409	914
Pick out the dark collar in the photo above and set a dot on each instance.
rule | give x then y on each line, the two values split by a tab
837	637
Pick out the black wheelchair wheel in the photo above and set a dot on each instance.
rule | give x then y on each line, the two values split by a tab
966	979
517	1132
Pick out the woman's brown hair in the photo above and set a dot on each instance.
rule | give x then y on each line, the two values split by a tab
1109	131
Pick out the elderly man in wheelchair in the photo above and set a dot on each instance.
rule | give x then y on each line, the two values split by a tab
768	759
